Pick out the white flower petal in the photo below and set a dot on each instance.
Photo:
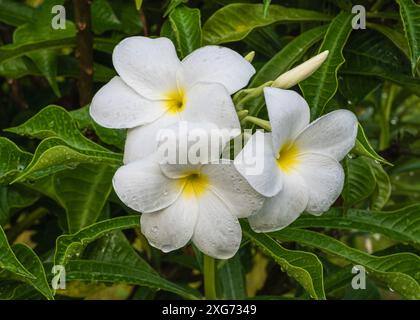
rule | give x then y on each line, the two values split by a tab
149	66
217	65
143	141
116	105
282	209
217	232
257	163
212	103
229	185
143	187
324	179
171	228
288	113
333	134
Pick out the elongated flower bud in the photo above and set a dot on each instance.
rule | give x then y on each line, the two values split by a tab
250	56
301	72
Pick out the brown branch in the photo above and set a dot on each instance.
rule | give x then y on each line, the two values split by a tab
84	50
144	23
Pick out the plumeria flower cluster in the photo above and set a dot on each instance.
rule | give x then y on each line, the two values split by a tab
183	201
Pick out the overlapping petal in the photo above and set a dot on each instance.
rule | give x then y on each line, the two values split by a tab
324	179
333	134
289	115
229	185
116	105
257	163
217	232
216	64
171	228
142	186
143	141
149	66
284	208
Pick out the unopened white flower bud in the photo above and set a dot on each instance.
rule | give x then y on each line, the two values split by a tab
301	72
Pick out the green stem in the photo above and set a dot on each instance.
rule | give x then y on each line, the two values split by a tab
385	138
209	278
259	122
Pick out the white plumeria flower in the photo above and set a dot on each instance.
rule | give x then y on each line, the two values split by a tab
182	202
301	160
155	89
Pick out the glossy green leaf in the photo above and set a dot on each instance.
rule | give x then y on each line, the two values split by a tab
88	270
304	267
402	225
364	148
12	160
54	154
410	15
15	13
322	85
8	259
399	271
72	245
394	35
14	197
288	56
383	187
235	21
186	27
369	53
83	193
33	264
104	17
359	181
232	279
55	121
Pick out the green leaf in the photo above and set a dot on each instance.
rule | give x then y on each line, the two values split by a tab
15	13
304	267
410	15
45	60
382	191
369	53
55	121
114	247
402	225
232	279
83	193
88	270
32	263
15	50
171	5
54	154
394	35
235	21
322	85
72	245
14	197
363	147
103	17
359	181
8	259
288	56
399	271
115	137
12	160
186	26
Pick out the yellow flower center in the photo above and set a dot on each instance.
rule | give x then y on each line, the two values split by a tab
195	184
175	101
288	157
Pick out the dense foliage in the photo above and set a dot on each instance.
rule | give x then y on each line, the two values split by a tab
57	205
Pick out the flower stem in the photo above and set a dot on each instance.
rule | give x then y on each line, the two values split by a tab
209	278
